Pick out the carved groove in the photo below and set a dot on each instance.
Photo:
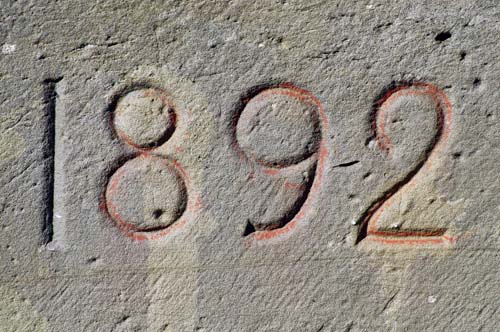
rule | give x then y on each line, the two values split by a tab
137	172
274	163
384	143
49	97
130	199
124	109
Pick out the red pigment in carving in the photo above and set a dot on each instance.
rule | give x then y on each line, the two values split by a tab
407	237
285	89
193	204
130	230
305	96
294	186
166	102
271	171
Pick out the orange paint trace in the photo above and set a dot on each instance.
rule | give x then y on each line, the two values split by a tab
148	93
264	236
294	186
368	230
194	202
193	205
128	229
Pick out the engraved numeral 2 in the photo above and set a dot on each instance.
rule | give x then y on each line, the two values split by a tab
387	221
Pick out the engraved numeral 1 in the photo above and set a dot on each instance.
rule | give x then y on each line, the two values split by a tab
51	225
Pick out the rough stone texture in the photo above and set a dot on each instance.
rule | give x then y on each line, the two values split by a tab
278	128
146	193
374	205
143	118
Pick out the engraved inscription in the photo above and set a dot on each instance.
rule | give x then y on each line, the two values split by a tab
51	228
278	133
148	196
144	118
279	137
278	129
425	111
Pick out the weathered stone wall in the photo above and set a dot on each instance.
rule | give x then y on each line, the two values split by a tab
249	165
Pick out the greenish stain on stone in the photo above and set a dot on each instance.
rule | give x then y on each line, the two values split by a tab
18	314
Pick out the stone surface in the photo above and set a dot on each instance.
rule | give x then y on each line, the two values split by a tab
146	194
143	118
249	165
278	127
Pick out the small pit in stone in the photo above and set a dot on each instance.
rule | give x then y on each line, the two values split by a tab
147	193
157	213
442	36
463	54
